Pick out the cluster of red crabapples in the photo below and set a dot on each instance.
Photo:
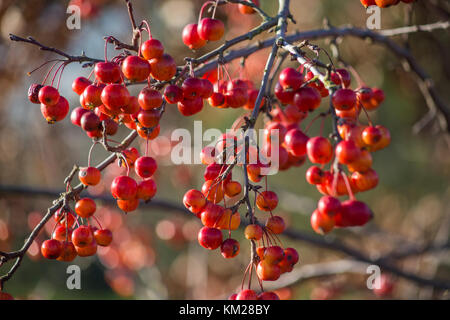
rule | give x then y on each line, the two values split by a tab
106	103
219	187
383	3
196	35
54	107
126	190
226	94
71	238
302	94
205	205
237	93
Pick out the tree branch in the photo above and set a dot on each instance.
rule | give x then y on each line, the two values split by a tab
318	270
332	244
424	81
281	31
266	25
329	243
135	29
69	58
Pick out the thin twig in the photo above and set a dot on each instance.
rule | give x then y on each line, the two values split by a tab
69	58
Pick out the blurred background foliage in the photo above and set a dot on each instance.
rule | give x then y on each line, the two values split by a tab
155	253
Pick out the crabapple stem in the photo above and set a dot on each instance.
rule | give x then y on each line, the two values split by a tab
224	67
207	3
356	75
365	112
250	274
90	152
335	179
347	184
126	162
56	73
60	75
245	275
48	73
42	65
148	29
216	2
98	222
67	228
106	48
321	115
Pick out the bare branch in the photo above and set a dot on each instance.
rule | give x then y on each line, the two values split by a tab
266	25
333	244
69	58
281	26
135	29
329	243
318	270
